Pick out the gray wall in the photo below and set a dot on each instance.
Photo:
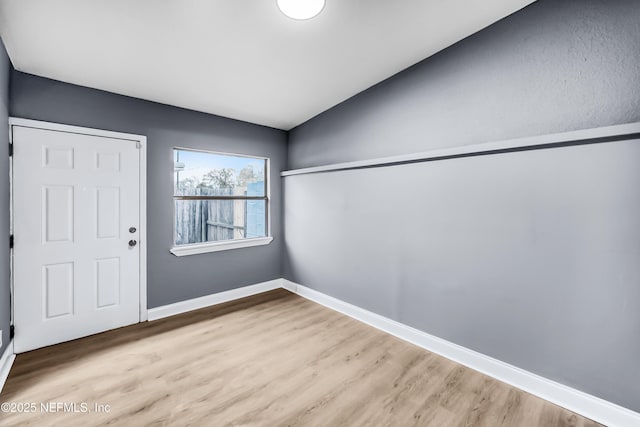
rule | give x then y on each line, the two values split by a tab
5	301
170	279
557	65
529	257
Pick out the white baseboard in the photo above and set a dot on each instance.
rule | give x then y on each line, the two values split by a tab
574	400
5	364
213	299
289	285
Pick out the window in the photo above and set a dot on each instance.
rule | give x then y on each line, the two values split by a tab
221	201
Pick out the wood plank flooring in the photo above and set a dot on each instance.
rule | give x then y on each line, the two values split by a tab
274	359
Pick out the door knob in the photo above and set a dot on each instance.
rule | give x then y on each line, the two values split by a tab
132	243
132	230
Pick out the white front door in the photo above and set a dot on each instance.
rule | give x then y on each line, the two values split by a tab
76	220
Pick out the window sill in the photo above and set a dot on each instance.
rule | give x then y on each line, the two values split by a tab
203	248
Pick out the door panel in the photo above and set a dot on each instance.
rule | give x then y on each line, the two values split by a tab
57	213
57	290
108	282
75	197
107	208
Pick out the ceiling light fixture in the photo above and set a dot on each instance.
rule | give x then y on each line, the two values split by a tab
301	9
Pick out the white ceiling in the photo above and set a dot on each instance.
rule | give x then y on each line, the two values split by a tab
238	59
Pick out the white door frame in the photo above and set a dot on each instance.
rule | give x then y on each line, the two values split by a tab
142	144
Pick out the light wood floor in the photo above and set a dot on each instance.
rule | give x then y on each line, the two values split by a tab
270	360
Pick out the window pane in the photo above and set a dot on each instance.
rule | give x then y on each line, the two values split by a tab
199	221
209	174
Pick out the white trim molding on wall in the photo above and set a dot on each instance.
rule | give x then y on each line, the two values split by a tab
574	400
578	137
6	362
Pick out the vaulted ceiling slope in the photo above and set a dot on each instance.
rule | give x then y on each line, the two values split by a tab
239	59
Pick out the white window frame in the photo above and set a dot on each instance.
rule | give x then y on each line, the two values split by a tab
224	245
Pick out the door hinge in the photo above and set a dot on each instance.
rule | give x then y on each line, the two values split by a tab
10	149
11	241
12	331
